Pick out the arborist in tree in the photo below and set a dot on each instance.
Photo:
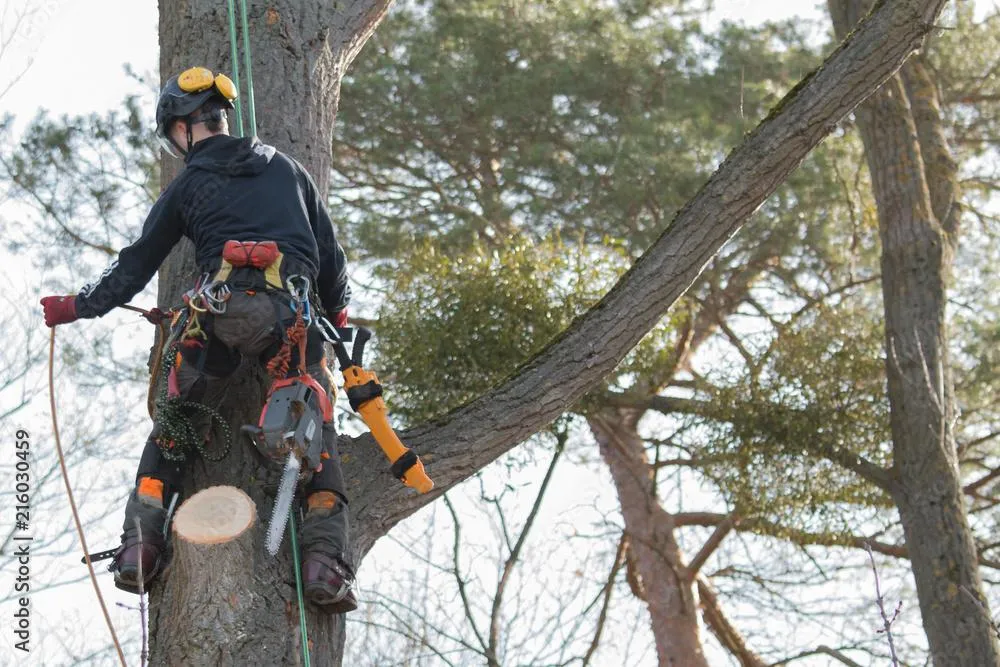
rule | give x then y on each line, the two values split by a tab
267	253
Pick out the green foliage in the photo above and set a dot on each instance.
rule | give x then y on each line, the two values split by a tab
466	125
817	391
964	62
464	122
89	180
454	324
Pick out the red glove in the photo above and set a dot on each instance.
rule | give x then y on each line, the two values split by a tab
340	319
59	310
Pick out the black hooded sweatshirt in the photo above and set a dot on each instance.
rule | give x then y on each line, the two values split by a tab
230	189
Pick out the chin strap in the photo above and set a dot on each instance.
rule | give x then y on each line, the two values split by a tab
215	115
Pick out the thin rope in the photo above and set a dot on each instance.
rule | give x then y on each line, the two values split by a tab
69	492
251	112
178	433
236	66
298	587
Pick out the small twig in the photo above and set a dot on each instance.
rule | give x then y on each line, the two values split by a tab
609	587
144	655
880	600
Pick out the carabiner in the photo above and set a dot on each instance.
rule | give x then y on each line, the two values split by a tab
298	288
215	295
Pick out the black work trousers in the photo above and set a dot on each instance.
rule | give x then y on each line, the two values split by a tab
252	326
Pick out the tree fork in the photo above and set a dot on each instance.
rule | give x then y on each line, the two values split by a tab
913	181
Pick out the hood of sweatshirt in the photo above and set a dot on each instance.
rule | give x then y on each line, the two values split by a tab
232	156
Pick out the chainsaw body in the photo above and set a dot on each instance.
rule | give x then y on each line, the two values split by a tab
292	421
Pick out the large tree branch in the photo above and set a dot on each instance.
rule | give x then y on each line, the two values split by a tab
472	436
802	537
857	464
723	629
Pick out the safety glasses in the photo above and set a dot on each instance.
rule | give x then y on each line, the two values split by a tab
168	147
197	79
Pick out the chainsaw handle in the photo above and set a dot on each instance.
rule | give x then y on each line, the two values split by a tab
338	337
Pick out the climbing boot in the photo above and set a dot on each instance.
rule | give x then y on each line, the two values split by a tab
129	557
145	504
328	583
327	579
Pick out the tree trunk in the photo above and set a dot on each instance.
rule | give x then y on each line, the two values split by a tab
657	573
300	52
214	548
668	591
914	181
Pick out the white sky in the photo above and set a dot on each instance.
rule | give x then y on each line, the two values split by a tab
79	48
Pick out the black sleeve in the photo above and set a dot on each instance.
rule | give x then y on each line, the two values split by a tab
334	292
137	263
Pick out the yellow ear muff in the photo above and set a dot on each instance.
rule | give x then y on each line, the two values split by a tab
195	80
226	86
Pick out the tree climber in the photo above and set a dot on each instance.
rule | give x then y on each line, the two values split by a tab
261	232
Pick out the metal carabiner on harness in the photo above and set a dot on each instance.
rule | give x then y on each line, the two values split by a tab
215	295
298	289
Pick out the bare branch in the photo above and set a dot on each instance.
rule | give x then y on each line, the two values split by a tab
721	530
886	621
511	561
608	588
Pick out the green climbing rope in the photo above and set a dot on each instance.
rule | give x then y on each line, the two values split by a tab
298	587
236	66
251	112
178	434
252	118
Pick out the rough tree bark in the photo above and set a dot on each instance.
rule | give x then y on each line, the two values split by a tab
213	549
301	50
915	184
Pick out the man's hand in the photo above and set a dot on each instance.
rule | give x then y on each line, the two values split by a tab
59	310
340	319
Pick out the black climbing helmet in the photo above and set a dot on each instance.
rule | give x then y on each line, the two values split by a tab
185	93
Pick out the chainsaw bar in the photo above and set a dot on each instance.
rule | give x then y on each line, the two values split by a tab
282	504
